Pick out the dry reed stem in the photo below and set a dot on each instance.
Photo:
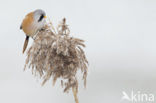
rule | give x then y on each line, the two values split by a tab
57	55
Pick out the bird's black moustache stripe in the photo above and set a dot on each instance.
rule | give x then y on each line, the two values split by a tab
41	17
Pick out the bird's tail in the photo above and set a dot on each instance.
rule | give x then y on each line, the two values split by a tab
25	43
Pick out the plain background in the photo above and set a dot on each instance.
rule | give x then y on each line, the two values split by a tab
120	37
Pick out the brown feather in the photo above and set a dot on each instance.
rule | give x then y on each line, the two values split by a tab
25	43
27	23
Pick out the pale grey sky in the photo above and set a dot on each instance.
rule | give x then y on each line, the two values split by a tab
121	48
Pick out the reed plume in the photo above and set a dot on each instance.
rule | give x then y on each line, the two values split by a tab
55	54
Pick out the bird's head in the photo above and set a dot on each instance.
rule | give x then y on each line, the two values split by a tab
39	17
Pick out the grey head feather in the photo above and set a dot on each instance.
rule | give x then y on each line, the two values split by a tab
38	13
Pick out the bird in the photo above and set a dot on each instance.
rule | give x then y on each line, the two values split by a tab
32	23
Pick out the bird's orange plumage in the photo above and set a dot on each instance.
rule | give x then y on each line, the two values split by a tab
26	26
27	23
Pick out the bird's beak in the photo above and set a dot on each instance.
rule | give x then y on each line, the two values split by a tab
45	16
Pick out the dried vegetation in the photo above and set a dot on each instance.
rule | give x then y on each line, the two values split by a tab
55	54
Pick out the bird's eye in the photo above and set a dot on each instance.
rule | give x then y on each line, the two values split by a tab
41	17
